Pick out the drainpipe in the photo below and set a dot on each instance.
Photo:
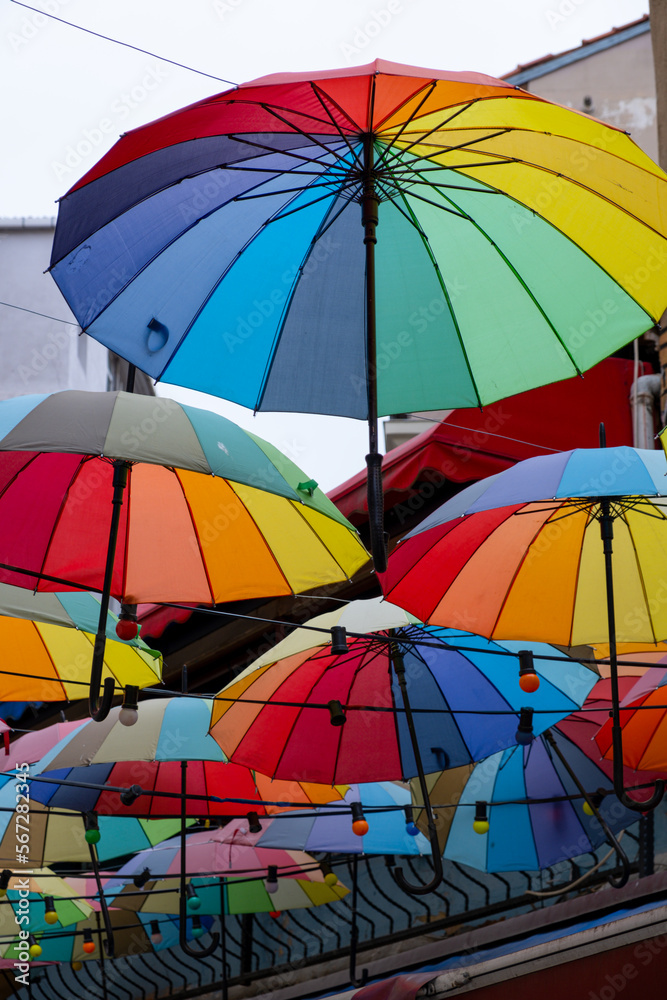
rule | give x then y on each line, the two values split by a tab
644	401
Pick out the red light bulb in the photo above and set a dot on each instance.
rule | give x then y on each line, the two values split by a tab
126	629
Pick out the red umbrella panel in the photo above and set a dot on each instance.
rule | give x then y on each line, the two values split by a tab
643	719
587	724
213	788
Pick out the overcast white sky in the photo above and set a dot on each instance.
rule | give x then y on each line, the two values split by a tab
66	96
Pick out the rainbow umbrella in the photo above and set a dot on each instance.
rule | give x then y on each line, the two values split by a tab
643	720
46	662
40	899
466	692
369	240
243	519
533	808
148	756
539	525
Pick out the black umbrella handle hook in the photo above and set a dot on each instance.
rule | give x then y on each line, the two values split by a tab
422	890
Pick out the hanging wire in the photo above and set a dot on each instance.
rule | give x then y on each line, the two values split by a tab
127	45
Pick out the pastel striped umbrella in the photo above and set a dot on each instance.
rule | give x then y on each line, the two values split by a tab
230	853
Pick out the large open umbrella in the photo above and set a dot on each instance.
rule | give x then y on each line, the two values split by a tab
365	241
534	805
149	757
203	511
539	525
400	702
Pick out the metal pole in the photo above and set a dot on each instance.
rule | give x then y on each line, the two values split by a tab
99	711
369	220
399	667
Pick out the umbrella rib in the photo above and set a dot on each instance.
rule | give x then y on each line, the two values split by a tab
289	153
388	146
523	284
319	94
497	159
438	127
330	218
299	131
447	297
205	300
274	110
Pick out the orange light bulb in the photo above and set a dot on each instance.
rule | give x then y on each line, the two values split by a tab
529	683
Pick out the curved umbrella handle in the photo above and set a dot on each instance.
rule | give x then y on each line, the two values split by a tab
99	709
658	792
422	890
195	952
436	854
376	511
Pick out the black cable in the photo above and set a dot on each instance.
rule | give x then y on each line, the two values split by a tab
127	45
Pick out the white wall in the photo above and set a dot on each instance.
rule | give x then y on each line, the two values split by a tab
38	354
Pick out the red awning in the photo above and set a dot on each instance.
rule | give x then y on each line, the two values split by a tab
473	444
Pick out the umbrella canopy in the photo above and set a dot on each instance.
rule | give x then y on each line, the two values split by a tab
25	903
328	828
149	754
558	576
230	852
232	229
44	662
253	525
537	525
234	233
643	719
58	835
275	715
525	835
